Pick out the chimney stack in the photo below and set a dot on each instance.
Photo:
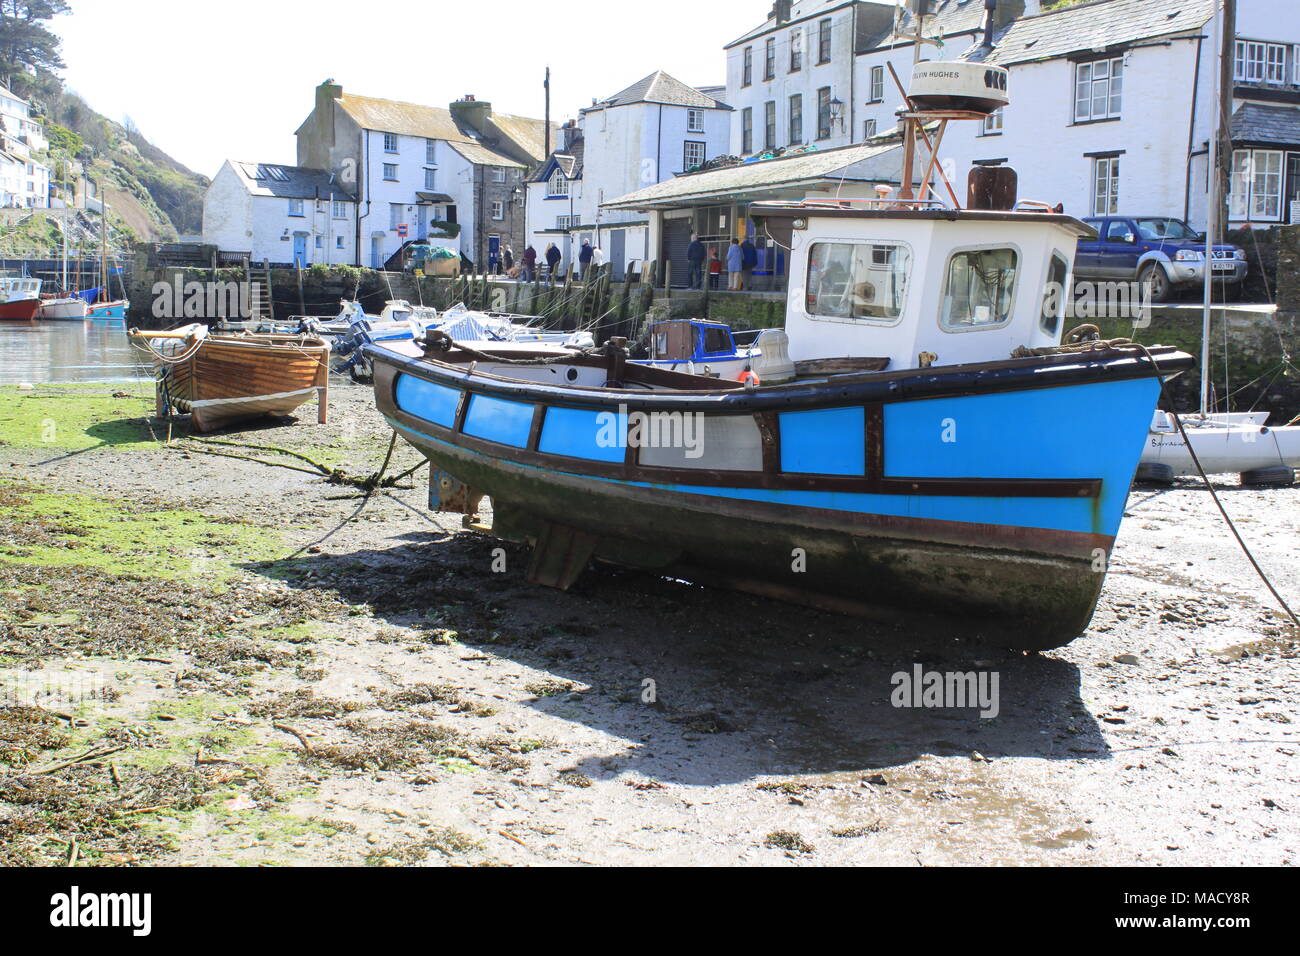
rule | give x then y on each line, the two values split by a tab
781	11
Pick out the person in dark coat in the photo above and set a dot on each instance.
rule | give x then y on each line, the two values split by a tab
553	261
530	264
695	254
584	258
749	259
509	258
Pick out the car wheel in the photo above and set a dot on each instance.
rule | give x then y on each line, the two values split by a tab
1156	280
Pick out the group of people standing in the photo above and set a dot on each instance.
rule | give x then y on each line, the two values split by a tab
741	260
588	256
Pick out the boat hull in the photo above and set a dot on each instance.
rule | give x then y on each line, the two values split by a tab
858	498
108	310
231	379
67	310
20	310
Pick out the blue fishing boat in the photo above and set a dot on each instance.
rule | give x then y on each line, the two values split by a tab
928	442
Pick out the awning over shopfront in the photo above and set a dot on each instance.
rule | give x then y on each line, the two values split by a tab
786	177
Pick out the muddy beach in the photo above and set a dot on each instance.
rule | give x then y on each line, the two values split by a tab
211	659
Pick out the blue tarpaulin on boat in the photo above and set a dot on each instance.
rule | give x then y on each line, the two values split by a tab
90	295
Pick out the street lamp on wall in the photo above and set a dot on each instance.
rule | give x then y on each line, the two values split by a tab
837	112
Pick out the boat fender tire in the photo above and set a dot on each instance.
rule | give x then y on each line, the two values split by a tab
1272	476
1155	473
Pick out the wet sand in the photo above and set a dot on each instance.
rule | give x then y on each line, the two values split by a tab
297	673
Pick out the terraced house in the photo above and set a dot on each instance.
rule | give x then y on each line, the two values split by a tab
458	172
1110	99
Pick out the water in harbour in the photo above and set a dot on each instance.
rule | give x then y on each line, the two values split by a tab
87	351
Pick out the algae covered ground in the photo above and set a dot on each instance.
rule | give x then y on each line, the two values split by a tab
213	653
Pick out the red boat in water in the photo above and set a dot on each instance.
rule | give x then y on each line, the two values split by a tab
20	299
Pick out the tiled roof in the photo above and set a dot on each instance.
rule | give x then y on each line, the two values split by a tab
1256	123
527	134
1096	25
659	87
289	182
947	17
852	163
482	156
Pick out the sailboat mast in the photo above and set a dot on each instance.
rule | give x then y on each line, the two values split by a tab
103	242
1212	211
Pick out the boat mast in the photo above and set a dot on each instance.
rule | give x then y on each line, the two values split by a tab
103	243
1224	30
65	229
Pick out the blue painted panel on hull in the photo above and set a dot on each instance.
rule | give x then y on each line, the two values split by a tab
1062	514
826	441
583	434
427	400
499	420
1081	431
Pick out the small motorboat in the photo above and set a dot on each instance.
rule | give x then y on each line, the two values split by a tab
697	347
223	379
20	298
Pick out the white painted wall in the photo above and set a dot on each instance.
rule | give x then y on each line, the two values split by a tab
838	74
235	220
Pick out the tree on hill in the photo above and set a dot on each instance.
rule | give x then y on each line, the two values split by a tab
26	43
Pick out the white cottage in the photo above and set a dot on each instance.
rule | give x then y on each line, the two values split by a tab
653	130
281	214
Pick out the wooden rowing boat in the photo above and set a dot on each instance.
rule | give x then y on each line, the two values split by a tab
223	379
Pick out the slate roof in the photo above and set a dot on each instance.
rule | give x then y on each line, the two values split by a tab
1096	25
863	162
289	182
1275	125
483	156
805	10
436	122
570	160
659	87
947	17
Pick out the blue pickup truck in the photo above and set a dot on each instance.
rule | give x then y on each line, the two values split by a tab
1165	254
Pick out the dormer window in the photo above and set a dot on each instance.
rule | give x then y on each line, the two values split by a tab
558	185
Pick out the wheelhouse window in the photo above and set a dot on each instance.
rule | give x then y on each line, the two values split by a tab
858	280
1105	185
978	289
1256	186
1098	90
769	59
824	41
1054	294
796	119
747	67
824	113
796	50
769	124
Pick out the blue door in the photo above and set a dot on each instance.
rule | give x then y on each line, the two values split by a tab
494	252
300	249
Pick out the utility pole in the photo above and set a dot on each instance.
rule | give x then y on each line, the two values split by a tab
547	119
1227	57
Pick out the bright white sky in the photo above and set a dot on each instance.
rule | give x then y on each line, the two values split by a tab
206	82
